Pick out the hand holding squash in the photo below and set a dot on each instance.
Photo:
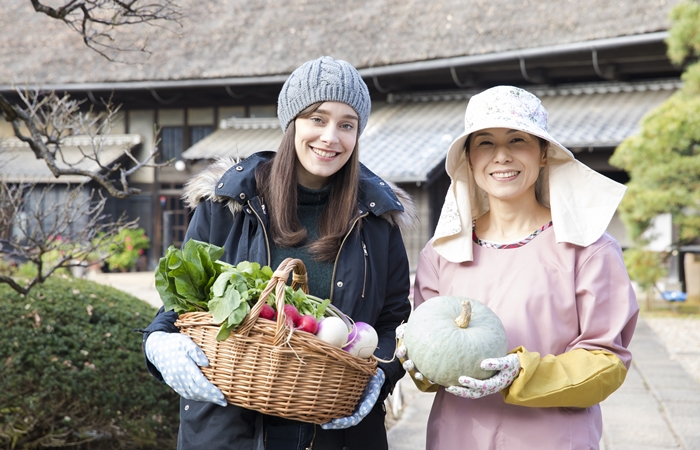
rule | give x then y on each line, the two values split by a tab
508	368
449	337
402	354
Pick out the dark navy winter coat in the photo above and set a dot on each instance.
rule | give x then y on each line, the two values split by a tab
370	286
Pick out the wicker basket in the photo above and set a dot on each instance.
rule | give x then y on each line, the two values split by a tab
261	367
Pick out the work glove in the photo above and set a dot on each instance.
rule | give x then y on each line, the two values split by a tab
367	401
177	358
402	354
508	368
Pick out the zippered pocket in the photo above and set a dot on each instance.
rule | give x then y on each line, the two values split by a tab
364	281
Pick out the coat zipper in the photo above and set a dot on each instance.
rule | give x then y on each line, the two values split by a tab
364	282
262	225
313	438
335	264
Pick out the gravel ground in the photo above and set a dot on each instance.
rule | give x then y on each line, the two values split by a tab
681	336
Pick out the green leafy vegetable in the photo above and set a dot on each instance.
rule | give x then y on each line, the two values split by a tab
192	279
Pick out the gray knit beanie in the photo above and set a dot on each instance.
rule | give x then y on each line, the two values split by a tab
322	80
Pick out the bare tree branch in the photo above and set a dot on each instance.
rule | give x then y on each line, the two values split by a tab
53	122
57	227
53	233
45	120
96	20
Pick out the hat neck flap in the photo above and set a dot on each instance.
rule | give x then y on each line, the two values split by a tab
582	202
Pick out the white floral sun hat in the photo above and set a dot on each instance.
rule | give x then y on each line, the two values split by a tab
582	201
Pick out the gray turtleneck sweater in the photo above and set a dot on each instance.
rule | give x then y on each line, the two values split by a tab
310	205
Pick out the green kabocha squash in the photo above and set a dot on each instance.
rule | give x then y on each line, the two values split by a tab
447	337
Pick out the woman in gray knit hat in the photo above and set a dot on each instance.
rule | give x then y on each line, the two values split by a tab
312	200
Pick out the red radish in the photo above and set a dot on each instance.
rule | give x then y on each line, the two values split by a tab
292	315
333	331
363	340
308	323
268	312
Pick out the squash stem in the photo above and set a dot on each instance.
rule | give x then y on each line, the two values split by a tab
463	320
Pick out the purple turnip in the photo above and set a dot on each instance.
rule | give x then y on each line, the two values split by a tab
362	340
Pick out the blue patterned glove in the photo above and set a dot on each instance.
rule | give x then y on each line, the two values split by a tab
177	357
508	369
367	401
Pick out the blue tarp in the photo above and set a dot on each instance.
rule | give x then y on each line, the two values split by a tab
674	296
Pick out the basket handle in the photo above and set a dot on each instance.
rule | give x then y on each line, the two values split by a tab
278	283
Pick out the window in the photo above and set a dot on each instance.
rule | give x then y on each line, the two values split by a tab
176	217
262	111
199	132
171	143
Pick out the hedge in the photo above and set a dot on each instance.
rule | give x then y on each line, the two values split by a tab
72	371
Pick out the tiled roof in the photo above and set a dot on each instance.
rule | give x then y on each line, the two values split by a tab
405	141
229	38
410	135
601	115
238	138
19	165
407	137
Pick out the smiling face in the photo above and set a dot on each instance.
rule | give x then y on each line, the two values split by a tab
324	142
506	162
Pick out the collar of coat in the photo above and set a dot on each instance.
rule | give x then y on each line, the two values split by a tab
233	182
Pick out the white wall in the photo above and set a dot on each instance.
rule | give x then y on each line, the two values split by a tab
171	117
118	123
141	122
200	116
691	262
660	233
617	230
5	129
226	112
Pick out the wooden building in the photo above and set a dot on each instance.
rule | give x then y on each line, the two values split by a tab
211	85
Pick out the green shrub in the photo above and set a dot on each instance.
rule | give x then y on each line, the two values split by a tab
72	371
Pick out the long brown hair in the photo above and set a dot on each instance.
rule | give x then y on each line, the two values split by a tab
277	181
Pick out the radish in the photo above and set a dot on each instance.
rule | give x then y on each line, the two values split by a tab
267	312
363	340
333	331
308	323
292	314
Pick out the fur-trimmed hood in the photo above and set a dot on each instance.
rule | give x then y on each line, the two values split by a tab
233	182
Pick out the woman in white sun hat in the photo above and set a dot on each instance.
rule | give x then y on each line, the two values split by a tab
523	231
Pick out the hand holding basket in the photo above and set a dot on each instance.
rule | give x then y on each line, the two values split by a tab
267	367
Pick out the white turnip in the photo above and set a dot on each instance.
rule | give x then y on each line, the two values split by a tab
362	340
333	331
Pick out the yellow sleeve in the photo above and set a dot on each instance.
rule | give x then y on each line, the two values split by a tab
423	384
579	378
